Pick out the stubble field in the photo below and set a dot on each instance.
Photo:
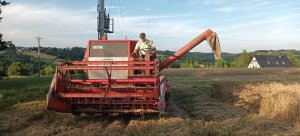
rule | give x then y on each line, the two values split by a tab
209	102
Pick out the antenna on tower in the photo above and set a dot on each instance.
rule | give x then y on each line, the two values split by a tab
105	24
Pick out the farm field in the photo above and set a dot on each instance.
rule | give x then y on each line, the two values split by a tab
209	102
49	59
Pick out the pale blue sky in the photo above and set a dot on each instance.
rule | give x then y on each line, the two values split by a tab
251	25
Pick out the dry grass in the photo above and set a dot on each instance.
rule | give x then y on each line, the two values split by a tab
208	105
204	72
284	104
32	118
277	101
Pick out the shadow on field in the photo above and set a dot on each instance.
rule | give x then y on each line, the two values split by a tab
124	118
32	118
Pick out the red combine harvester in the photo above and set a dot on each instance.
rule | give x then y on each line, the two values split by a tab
111	80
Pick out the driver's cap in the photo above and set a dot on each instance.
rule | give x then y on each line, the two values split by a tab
142	35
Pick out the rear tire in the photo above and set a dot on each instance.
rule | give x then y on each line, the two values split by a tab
163	95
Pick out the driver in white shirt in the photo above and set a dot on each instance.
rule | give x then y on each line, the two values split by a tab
145	45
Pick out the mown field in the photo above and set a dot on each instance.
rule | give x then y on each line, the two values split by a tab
208	102
49	59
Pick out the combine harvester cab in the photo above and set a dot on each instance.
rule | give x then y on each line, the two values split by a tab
108	80
111	80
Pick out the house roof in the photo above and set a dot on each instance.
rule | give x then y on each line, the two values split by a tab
273	61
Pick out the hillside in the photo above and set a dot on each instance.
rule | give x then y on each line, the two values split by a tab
190	60
77	53
49	59
28	59
204	58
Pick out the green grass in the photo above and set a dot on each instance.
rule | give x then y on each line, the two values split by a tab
15	91
49	59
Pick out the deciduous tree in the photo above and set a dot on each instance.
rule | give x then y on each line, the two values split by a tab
243	60
17	69
292	57
49	70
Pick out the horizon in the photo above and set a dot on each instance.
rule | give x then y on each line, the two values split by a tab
266	25
174	50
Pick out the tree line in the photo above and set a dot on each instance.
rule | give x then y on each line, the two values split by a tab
16	63
240	60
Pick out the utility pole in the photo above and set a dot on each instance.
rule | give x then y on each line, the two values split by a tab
39	38
101	18
104	21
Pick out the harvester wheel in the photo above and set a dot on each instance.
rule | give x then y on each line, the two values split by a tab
163	94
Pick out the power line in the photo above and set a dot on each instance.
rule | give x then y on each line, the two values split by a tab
246	40
117	17
122	10
110	6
